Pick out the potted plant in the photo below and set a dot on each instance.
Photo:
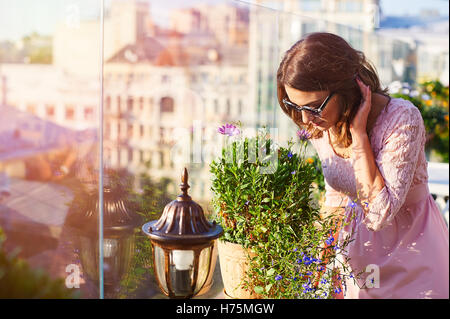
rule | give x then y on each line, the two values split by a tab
275	244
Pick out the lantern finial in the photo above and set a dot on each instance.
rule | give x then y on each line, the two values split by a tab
184	186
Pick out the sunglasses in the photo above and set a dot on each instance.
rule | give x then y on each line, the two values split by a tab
312	110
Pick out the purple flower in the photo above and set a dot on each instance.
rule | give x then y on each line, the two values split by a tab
309	273
330	240
246	203
293	172
229	129
307	260
352	204
323	281
303	135
299	261
290	155
278	277
294	250
338	290
366	204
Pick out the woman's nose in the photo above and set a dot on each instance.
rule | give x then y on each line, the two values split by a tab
307	117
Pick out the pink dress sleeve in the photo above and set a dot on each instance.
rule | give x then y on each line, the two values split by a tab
403	140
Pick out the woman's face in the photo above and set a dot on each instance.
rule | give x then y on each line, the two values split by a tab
330	114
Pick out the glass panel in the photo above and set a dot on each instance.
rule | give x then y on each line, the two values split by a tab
49	53
203	267
160	262
174	73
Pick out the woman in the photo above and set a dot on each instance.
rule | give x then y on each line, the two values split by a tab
372	151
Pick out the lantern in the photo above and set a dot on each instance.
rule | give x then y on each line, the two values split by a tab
183	242
119	223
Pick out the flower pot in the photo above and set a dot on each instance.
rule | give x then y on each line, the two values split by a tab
234	266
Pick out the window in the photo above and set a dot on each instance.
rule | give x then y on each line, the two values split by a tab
108	130
130	104
216	106
161	159
129	130
141	103
228	107
118	103
108	103
349	6
89	113
166	105
50	111
31	108
70	113
310	5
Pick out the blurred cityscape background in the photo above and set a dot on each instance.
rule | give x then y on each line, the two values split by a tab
172	73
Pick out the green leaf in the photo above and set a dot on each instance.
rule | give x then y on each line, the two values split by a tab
268	287
259	289
271	272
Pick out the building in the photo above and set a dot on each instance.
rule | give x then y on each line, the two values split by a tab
428	51
165	97
49	93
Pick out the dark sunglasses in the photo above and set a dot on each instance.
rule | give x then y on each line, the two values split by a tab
314	111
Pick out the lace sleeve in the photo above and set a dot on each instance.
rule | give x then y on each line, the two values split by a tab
403	141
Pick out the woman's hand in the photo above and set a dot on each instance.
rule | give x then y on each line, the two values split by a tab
358	125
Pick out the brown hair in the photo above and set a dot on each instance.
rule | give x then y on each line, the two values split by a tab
326	62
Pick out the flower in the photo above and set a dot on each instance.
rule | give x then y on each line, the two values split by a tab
323	281
307	260
366	204
290	155
309	273
228	129
330	240
310	160
294	250
303	135
278	277
352	204
299	261
293	172
337	290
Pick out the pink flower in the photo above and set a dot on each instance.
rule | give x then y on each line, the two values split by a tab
228	129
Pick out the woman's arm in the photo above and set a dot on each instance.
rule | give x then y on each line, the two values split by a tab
369	181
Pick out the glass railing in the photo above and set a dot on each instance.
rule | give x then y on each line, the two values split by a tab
167	77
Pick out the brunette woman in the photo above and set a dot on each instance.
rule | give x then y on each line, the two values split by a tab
371	147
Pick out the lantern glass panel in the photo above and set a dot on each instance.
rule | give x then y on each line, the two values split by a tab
203	268
182	271
110	246
160	262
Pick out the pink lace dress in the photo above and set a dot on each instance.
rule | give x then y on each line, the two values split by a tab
403	235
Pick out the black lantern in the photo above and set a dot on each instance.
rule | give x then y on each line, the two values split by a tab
119	224
183	242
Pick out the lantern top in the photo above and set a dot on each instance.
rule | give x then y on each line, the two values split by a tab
182	221
118	217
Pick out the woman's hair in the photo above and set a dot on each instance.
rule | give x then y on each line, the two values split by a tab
326	62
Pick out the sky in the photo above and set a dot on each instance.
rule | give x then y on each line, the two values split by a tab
20	17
